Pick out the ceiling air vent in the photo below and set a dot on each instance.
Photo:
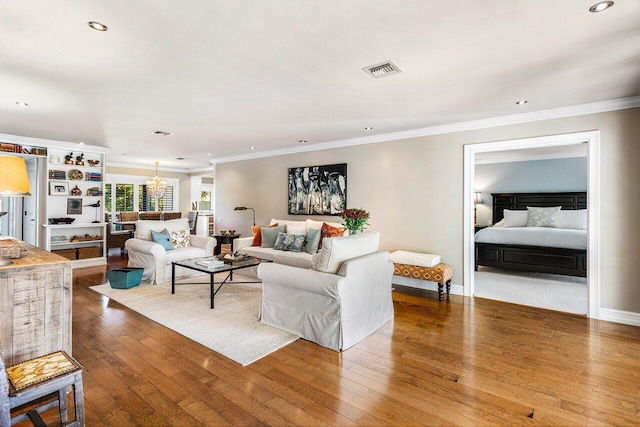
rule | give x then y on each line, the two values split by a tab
382	69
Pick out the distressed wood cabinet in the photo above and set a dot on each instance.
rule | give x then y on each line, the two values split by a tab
35	305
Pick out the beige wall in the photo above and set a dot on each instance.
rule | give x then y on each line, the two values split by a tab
414	191
184	202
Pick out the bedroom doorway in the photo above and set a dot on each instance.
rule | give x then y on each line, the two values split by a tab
549	144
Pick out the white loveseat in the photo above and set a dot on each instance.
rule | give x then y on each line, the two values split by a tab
156	261
345	299
297	259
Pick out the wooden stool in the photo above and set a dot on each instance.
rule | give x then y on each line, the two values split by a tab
439	273
35	378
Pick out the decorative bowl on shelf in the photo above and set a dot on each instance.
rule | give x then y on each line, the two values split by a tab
93	162
223	232
232	232
61	220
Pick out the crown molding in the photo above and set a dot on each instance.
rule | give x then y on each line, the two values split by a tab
534	116
145	167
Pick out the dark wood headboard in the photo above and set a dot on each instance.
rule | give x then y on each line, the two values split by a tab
520	201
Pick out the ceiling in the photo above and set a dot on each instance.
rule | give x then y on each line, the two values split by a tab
223	76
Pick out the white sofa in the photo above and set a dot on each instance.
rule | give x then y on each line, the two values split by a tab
296	259
156	261
345	299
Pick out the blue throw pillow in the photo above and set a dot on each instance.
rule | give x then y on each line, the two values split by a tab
269	235
163	237
289	242
312	242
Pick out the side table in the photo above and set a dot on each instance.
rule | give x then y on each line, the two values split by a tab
223	240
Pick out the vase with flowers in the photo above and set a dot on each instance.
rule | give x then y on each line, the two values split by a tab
355	219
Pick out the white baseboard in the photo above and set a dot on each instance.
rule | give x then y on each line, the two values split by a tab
88	262
619	316
423	284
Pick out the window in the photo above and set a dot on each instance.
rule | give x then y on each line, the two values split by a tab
147	203
127	193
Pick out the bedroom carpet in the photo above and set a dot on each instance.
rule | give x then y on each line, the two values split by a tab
550	291
231	329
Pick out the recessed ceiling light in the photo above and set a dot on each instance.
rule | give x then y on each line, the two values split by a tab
161	132
600	6
252	147
22	104
97	26
209	154
181	158
368	128
302	141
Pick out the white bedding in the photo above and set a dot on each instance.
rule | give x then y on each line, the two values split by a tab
534	236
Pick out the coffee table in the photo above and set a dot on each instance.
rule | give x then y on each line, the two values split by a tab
227	267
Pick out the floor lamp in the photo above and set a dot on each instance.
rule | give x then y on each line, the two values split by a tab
14	182
243	208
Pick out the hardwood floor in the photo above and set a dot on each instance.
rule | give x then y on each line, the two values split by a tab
458	362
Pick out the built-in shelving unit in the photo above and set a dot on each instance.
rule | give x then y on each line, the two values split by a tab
75	191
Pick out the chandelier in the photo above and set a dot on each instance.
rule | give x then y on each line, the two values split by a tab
156	187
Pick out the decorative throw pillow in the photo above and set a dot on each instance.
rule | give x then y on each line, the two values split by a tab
269	235
329	231
162	237
312	241
542	217
289	242
257	234
181	239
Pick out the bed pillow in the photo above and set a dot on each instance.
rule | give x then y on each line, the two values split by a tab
289	242
572	219
542	217
515	218
269	235
163	238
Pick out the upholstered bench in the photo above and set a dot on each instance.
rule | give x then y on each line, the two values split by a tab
439	273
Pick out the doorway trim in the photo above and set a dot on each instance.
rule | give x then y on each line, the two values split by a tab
592	139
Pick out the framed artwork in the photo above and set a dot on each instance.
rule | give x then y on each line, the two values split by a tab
58	188
74	206
318	190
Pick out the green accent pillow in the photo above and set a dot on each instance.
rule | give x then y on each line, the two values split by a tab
289	242
312	242
162	237
269	235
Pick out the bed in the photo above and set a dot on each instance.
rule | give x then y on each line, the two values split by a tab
539	249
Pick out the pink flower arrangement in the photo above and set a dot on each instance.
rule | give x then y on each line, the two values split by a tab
355	219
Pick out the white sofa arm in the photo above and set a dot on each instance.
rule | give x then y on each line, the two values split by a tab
204	242
242	242
146	247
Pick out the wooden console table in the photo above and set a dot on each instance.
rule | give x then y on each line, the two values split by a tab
35	305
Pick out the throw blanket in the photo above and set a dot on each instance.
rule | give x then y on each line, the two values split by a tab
414	258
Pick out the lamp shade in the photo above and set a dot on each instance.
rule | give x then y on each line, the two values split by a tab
14	180
477	197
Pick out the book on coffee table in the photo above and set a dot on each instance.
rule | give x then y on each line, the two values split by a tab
209	262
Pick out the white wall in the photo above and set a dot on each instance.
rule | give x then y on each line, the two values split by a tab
414	191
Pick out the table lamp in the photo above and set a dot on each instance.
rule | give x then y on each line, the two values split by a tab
477	199
14	182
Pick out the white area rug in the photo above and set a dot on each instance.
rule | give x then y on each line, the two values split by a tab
231	328
551	291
